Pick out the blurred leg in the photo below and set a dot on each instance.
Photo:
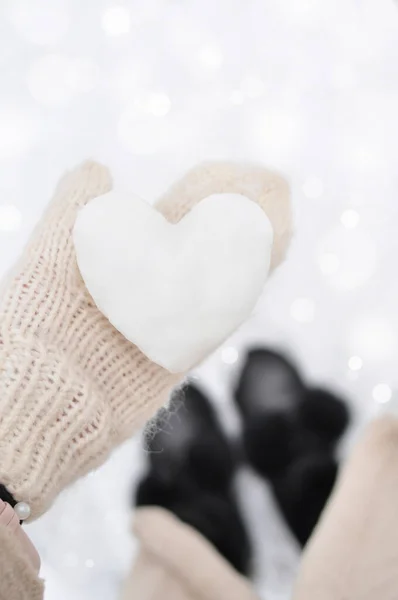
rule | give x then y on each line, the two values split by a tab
354	551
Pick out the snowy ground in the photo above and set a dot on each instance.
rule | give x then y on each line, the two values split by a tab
307	86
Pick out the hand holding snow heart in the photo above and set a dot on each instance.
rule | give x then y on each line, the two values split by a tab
175	290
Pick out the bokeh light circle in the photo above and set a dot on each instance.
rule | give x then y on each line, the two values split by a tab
41	22
354	259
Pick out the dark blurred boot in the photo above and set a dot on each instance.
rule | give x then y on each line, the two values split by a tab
192	466
290	432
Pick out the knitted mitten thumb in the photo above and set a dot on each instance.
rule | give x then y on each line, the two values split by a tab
176	563
71	386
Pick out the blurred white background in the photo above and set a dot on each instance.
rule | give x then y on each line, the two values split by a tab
151	87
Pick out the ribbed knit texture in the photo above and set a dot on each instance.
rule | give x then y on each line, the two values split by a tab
71	386
18	580
177	563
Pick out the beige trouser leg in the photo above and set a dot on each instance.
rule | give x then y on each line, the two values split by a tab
353	554
177	563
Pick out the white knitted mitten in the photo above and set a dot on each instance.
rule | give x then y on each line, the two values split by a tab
71	386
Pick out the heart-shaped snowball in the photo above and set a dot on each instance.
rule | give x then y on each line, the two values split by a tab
175	290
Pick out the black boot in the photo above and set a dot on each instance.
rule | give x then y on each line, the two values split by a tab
192	466
290	432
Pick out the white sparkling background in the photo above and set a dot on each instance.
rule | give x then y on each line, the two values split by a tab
150	88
